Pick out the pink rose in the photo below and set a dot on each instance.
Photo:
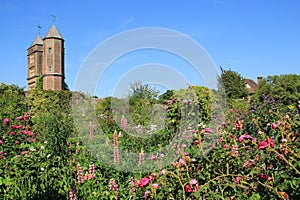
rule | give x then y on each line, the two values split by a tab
274	126
144	182
263	144
193	181
6	121
237	179
188	188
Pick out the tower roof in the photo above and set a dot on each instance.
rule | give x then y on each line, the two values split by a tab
53	33
38	40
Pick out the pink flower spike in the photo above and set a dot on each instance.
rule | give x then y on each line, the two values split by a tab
153	157
1	142
162	171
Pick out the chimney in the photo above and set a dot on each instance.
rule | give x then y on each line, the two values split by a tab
259	78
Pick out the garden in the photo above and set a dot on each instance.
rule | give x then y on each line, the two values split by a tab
184	144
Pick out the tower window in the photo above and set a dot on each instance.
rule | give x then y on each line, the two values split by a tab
49	69
50	50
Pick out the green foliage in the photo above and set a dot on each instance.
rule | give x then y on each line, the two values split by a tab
163	98
46	101
140	91
233	84
12	101
105	114
39	82
284	89
141	98
255	154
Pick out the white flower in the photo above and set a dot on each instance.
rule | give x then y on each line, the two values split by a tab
42	147
48	155
42	169
120	134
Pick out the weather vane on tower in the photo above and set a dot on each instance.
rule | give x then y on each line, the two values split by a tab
53	18
39	28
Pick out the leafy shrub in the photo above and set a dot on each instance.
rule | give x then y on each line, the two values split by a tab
12	101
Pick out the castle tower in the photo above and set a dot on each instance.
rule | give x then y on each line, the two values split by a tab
35	61
53	60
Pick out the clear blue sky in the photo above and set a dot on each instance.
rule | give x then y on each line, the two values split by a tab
254	38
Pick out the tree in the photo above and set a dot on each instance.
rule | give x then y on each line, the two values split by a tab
284	89
163	98
233	84
141	97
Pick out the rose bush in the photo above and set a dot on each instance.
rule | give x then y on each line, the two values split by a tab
255	156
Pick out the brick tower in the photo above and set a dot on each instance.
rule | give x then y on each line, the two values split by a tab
35	61
46	58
